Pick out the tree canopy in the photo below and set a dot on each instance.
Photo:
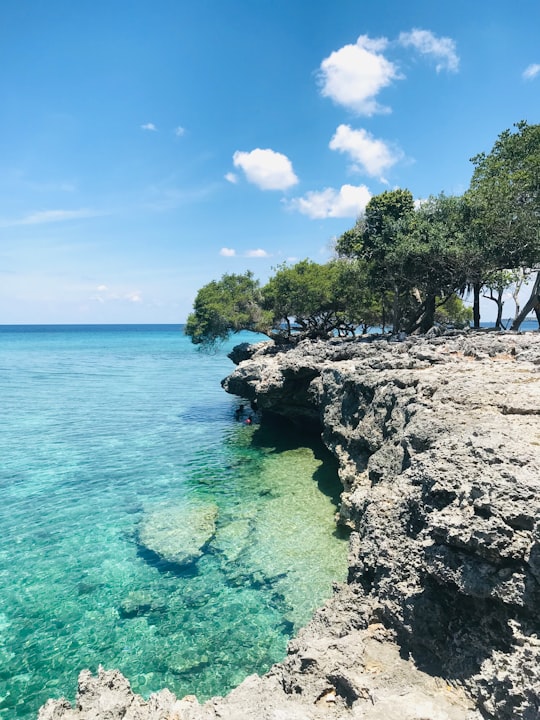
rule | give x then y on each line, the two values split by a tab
402	264
306	299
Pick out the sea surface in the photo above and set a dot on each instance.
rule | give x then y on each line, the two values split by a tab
104	427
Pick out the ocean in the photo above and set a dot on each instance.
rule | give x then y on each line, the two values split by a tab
105	429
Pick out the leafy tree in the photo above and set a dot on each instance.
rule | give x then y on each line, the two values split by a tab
303	300
374	239
453	311
496	283
505	195
228	305
414	256
431	255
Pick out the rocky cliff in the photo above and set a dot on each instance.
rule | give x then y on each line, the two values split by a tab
438	443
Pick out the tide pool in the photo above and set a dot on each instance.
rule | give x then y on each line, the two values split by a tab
102	427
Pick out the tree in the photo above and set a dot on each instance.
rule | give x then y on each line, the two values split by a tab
374	239
224	306
505	195
305	300
414	256
317	300
496	283
431	255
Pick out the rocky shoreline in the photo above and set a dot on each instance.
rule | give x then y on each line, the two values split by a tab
438	444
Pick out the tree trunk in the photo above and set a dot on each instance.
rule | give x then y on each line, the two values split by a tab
428	319
477	287
533	303
396	311
500	304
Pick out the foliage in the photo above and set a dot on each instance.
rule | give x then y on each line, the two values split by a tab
400	260
303	300
415	255
505	194
453	312
224	306
313	300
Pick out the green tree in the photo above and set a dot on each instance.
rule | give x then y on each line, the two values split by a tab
505	196
309	299
431	258
226	306
305	300
374	240
415	256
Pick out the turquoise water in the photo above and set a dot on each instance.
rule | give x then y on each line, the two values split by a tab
102	428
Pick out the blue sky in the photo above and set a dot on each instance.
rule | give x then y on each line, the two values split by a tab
148	148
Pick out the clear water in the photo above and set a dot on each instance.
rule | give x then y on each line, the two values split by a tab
101	426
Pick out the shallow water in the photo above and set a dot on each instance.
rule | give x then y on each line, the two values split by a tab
102	426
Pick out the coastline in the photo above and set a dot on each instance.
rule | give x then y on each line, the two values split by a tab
437	440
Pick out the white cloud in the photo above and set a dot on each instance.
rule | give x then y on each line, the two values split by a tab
369	154
50	216
531	71
442	49
267	169
348	201
257	253
231	177
118	295
227	252
149	126
353	75
179	131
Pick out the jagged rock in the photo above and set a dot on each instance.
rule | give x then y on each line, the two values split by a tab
438	443
178	535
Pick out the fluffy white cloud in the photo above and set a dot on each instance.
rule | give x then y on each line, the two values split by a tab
367	153
353	75
348	201
231	177
257	253
134	297
267	169
531	71
227	252
179	131
102	288
149	126
441	49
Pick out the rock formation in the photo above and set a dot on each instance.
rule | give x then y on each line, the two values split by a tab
438	443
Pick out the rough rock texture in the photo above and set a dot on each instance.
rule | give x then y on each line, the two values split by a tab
438	442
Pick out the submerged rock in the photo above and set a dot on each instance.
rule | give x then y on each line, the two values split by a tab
140	602
178	535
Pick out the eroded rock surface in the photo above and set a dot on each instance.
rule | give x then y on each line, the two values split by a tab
438	443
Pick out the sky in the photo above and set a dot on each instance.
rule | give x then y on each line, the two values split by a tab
149	148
